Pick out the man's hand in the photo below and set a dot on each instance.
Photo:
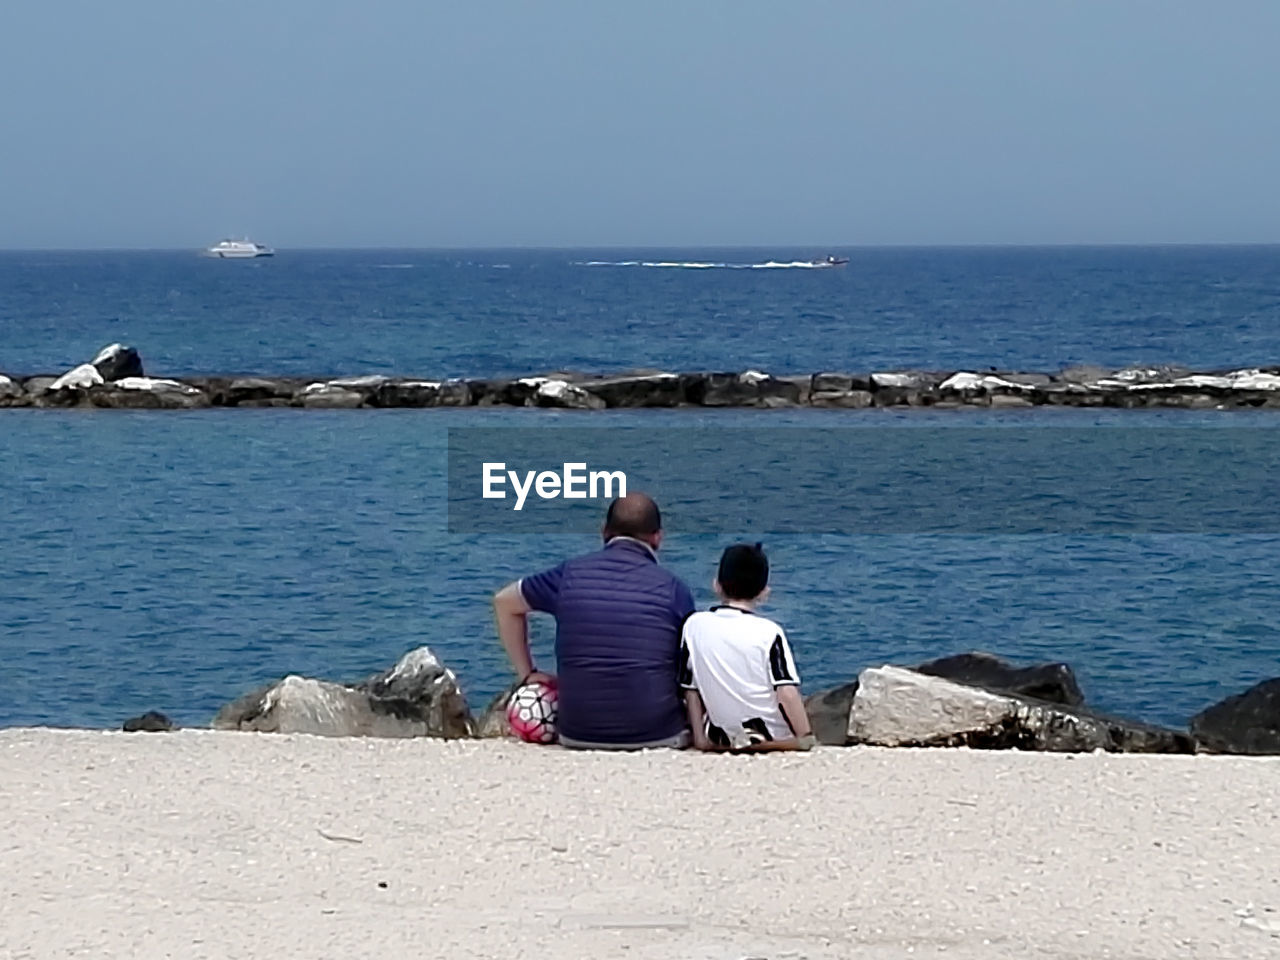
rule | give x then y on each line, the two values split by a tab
537	676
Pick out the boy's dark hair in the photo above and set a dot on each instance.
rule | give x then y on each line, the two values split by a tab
744	571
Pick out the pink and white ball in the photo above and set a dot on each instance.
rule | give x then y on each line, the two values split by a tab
532	712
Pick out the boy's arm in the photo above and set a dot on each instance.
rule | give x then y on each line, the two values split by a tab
792	705
697	719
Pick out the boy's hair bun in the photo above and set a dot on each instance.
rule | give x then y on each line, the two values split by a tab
744	571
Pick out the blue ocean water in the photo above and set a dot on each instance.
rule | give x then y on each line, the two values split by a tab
171	561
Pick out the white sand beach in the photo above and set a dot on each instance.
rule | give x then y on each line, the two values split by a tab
215	845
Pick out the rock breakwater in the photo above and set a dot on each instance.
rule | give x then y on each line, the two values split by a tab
114	379
974	700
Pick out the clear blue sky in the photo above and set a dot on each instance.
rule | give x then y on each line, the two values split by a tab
420	123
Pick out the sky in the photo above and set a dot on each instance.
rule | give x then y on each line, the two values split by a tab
316	123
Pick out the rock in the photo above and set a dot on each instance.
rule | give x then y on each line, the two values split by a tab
650	390
37	385
1133	376
418	697
328	396
828	712
1051	682
366	386
422	393
561	393
748	389
244	390
116	361
511	393
12	394
898	707
493	722
840	390
915	388
112	398
407	393
454	393
150	722
1083	374
420	679
1247	723
1007	400
80	378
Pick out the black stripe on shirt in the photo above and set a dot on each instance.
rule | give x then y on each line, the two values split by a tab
778	664
685	672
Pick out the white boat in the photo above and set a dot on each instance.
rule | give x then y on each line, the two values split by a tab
238	250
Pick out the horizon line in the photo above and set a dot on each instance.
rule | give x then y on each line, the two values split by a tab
555	248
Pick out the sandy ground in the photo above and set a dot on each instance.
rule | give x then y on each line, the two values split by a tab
228	845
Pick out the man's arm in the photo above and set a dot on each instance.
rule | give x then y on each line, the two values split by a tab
511	614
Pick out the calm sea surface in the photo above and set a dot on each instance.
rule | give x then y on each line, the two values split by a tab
171	561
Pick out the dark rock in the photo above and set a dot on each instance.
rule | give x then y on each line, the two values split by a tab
1247	723
116	361
407	393
1051	682
898	707
508	393
12	394
915	388
493	722
822	383
418	697
150	722
748	389
243	391
62	397
828	712
652	390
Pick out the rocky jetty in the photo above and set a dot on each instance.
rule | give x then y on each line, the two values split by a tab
114	379
974	700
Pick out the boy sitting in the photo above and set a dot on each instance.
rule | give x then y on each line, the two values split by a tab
740	684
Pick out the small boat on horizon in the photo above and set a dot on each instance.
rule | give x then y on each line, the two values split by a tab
238	250
830	261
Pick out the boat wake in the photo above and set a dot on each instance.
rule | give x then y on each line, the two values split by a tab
708	265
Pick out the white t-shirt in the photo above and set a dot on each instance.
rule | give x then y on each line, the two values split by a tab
736	660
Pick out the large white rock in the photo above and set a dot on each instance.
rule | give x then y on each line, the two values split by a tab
966	381
894	706
81	378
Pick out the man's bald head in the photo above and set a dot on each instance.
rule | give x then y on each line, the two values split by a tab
635	515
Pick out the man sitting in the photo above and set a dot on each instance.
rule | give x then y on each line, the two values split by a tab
618	618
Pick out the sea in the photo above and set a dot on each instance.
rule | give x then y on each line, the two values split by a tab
172	561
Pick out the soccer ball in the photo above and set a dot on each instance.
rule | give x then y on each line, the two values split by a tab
532	712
